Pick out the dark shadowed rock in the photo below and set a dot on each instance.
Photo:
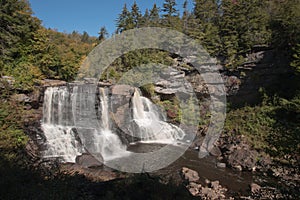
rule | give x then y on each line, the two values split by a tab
243	158
215	151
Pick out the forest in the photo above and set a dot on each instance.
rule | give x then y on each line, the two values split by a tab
230	30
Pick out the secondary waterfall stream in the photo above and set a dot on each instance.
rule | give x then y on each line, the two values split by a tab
76	120
151	126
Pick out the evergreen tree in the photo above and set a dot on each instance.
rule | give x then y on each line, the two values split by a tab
169	8
207	16
124	21
185	16
103	34
85	37
136	15
145	21
154	15
17	28
285	18
171	16
243	25
229	31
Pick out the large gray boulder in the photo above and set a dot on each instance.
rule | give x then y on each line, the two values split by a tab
88	161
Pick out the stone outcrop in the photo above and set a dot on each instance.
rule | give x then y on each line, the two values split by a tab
211	190
190	175
52	83
88	161
120	109
238	154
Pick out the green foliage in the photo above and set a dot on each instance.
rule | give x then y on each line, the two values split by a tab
172	109
17	26
189	111
12	137
296	58
285	17
30	52
272	127
243	25
134	59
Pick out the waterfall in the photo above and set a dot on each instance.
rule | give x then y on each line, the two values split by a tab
57	125
76	120
149	124
71	126
102	140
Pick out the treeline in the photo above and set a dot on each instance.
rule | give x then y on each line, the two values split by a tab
228	29
29	52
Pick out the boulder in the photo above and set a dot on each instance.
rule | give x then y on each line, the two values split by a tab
221	165
21	98
7	81
35	97
212	190
123	90
190	175
238	154
89	161
255	188
120	106
244	159
215	151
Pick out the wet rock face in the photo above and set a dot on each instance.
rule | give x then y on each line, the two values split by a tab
120	96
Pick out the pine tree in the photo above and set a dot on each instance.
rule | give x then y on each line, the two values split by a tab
136	15
171	16
103	34
185	16
85	37
169	8
207	16
229	31
285	17
17	28
154	15
124	21
145	20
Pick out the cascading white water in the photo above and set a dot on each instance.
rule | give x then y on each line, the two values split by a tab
62	106
71	125
151	126
57	125
105	141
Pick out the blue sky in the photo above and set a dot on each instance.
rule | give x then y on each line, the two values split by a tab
89	15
